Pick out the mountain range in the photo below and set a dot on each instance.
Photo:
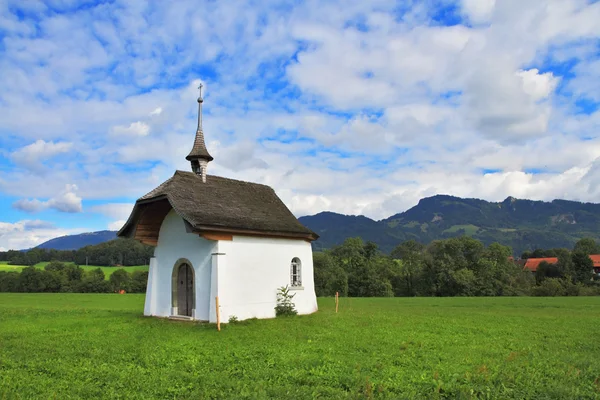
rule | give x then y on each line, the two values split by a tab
75	242
521	224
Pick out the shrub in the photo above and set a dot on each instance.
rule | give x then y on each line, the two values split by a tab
592	290
549	287
120	280
285	306
233	319
139	279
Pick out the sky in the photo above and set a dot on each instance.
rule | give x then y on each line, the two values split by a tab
355	107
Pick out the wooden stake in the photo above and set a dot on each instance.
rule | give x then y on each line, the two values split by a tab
218	313
336	301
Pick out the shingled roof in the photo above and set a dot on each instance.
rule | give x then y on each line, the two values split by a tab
199	149
219	204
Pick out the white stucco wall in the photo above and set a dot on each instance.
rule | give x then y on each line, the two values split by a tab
255	268
175	243
244	272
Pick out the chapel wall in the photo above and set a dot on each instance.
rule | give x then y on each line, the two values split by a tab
255	268
174	243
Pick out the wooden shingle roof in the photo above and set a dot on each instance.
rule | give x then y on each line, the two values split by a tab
217	205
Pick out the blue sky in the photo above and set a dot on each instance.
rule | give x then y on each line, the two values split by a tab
354	107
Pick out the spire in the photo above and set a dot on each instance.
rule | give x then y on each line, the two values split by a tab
199	156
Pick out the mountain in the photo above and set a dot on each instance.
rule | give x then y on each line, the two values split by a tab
75	242
521	224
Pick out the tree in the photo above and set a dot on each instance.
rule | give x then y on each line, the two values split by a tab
526	254
583	267
120	280
31	280
586	246
94	282
411	258
549	287
9	281
139	280
53	281
329	277
547	270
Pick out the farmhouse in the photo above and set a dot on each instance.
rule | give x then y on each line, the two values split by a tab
215	236
532	264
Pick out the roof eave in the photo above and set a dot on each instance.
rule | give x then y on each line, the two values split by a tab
199	229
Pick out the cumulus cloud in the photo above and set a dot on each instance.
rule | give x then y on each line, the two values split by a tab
113	210
26	234
67	201
478	10
116	225
32	155
344	106
135	128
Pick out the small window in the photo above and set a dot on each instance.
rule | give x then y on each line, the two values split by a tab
296	277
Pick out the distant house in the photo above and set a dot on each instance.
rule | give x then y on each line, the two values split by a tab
596	260
532	263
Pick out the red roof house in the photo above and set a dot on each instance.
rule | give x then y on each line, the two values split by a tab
532	263
596	260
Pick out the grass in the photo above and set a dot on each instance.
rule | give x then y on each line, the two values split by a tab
470	230
100	346
107	270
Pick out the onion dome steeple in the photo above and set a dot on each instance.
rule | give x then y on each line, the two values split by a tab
199	156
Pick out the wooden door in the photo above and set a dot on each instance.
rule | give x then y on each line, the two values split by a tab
185	290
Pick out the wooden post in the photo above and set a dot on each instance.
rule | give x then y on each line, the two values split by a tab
336	301
218	313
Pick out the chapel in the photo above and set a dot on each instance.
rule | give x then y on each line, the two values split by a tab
215	236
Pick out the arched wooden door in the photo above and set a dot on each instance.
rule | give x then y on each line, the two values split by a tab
185	290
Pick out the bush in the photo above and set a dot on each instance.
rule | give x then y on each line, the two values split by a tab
9	281
549	287
120	280
285	306
592	290
139	280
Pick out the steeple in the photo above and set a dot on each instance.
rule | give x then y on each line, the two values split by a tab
199	156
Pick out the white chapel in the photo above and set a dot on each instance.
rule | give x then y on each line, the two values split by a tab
215	236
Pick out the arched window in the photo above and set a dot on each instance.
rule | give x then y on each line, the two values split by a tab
295	272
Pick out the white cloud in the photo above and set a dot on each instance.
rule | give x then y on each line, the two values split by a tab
116	225
26	234
156	111
355	119
33	155
135	128
114	210
67	201
478	10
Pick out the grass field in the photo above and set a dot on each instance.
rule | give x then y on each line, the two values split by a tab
107	270
100	346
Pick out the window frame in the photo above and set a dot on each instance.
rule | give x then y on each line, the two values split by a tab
297	283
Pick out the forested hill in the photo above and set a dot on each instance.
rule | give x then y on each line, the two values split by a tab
75	242
520	224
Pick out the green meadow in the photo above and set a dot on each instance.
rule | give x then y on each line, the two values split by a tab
100	346
107	270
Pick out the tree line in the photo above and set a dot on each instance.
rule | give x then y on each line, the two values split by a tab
460	266
121	251
59	277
